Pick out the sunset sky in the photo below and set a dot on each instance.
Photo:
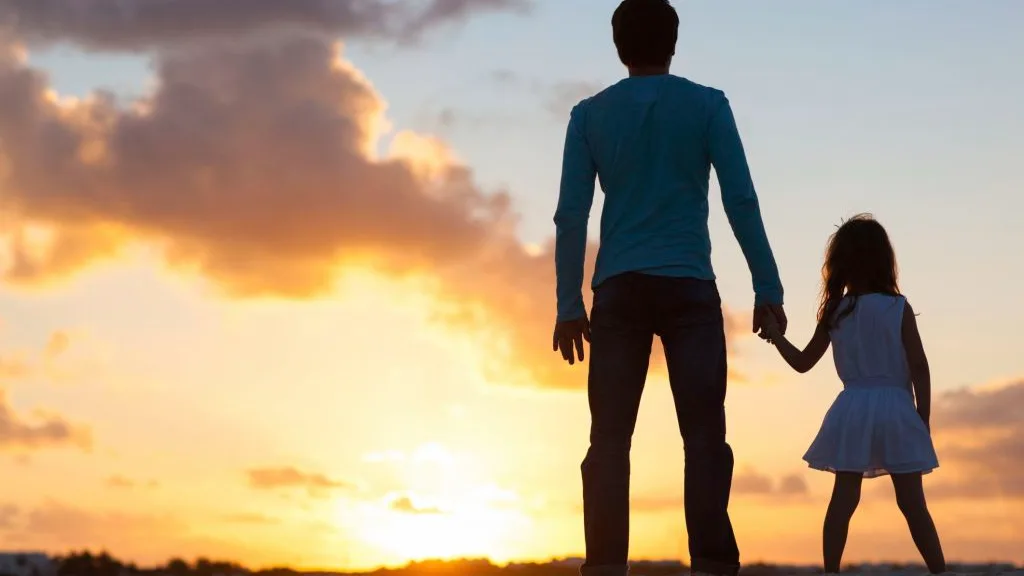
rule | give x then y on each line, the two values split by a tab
277	277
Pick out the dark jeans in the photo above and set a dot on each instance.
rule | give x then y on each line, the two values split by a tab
629	310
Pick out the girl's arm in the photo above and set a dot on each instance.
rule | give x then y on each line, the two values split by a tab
918	362
801	360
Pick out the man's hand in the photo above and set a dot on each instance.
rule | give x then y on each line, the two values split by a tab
770	330
761	317
569	335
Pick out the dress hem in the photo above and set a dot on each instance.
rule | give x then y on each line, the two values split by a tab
874	472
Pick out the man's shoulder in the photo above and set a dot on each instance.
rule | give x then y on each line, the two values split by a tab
709	96
709	93
587	102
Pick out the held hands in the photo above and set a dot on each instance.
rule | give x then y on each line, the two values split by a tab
770	322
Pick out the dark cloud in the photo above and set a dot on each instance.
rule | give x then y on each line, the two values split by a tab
144	24
315	484
405	505
49	432
979	435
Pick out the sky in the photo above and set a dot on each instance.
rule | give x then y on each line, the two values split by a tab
277	278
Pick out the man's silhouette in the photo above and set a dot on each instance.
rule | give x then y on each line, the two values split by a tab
652	139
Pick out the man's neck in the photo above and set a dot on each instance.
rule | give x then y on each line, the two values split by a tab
647	70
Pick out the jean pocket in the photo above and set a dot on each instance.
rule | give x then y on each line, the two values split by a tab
613	300
696	293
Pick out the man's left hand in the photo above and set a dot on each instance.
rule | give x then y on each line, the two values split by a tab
776	310
568	338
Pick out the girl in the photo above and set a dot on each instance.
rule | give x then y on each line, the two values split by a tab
872	428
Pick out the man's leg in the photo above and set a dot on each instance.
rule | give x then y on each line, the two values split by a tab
620	349
693	333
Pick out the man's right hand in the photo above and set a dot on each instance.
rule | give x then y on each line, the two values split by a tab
761	317
568	338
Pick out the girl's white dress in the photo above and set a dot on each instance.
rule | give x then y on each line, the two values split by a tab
872	427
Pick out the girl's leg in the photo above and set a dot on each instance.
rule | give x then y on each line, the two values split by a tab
845	497
910	497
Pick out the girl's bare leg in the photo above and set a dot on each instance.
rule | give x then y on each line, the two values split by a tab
910	497
845	497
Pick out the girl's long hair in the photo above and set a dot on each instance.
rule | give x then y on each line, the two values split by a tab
859	260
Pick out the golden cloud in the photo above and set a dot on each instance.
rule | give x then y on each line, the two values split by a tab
51	431
251	165
979	436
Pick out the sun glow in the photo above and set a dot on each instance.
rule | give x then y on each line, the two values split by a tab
464	532
447	513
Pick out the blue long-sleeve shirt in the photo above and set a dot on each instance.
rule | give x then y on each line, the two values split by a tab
651	141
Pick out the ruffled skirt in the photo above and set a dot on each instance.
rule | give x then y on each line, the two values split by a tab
873	430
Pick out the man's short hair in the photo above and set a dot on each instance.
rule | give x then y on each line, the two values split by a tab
645	32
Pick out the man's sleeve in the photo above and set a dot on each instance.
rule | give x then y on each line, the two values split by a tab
740	201
575	198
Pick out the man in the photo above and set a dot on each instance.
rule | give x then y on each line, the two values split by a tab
652	139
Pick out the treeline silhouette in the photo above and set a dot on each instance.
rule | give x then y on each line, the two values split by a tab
103	564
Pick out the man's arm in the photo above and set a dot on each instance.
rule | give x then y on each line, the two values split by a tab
741	205
575	197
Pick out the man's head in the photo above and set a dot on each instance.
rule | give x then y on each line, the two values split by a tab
645	33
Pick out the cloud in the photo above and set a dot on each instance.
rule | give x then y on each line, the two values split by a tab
8	515
50	432
58	519
560	97
557	97
254	166
315	484
128	25
119	482
752	482
793	484
57	527
19	365
979	436
747	483
406	505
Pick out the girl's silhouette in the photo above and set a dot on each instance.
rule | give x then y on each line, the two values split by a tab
873	428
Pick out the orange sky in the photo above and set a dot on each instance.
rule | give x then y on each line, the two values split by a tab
230	327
